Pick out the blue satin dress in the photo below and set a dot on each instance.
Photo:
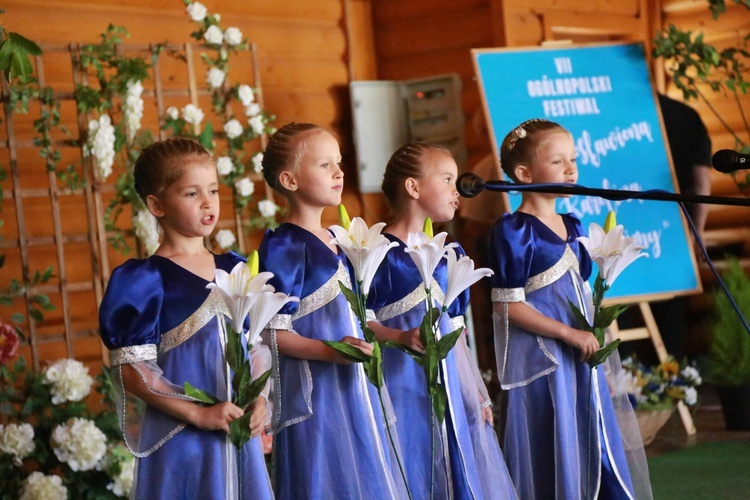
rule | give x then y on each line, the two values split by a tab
561	436
330	439
160	316
397	297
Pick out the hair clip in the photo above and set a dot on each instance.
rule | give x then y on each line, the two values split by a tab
517	133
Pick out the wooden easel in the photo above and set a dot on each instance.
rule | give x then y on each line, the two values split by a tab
651	330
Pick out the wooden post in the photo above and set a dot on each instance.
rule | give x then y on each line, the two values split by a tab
651	330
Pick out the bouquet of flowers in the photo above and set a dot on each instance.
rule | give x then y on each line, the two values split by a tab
51	444
612	253
658	387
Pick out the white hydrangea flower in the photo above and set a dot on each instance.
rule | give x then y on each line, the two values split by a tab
233	128
214	35
246	94
192	114
216	77
17	440
146	230
79	443
101	144
70	380
133	108
256	122
122	483
258	163
245	187
267	208
252	109
691	395
691	373
173	112
40	487
233	36
224	165
225	239
197	11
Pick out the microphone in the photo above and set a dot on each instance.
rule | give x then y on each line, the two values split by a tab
469	185
728	161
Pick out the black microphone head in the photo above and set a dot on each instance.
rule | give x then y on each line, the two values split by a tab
728	161
469	185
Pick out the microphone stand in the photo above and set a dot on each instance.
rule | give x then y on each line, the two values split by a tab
477	184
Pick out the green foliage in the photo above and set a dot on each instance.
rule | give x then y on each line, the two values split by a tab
36	303
729	353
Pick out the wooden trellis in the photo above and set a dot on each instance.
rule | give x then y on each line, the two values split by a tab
176	85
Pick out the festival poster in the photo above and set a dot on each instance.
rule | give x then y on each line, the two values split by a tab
603	95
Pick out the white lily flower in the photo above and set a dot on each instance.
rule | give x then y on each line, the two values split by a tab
461	275
611	251
426	253
365	247
239	289
264	308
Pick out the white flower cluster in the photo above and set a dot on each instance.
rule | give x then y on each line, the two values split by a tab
192	114
40	487
267	208
215	77
133	108
79	443
145	227
173	113
257	124
17	440
258	163
691	374
247	98
224	165
70	380
245	187
691	395
225	239
122	483
101	144
197	11
213	35
233	129
626	382
233	35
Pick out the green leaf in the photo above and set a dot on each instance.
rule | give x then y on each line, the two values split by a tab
602	354
351	297
257	386
439	400
416	355
207	136
20	66
446	343
583	324
6	55
36	314
24	44
239	430
374	367
348	351
608	314
240	383
199	394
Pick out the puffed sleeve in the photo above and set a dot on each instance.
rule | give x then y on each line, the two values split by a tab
129	313
283	255
584	259
511	253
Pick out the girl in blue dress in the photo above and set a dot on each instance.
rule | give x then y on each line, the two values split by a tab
562	438
164	328
419	182
330	437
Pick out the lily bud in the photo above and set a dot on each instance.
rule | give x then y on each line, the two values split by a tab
427	229
610	222
344	219
253	263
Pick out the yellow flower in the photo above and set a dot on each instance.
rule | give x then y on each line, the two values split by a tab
344	219
610	222
427	228
676	393
670	368
253	263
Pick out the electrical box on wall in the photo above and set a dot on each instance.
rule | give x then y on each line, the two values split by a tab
388	114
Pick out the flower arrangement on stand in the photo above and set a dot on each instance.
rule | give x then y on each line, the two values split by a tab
52	446
655	391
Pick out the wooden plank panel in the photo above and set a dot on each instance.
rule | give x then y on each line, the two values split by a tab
452	60
386	12
626	7
592	24
465	29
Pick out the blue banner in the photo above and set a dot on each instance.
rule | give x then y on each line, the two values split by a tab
603	95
